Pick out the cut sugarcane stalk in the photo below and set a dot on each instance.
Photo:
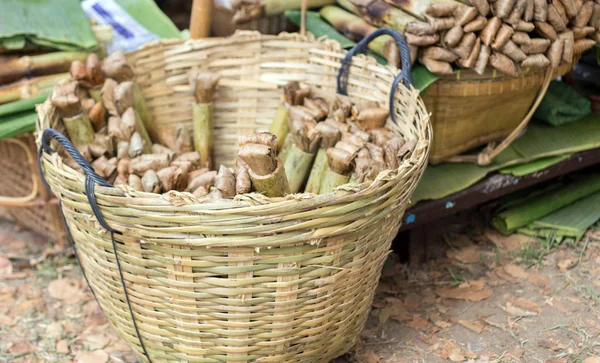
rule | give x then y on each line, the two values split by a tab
380	13
13	69
340	164
297	167
280	127
225	182
264	167
355	28
330	135
204	85
117	68
248	10
130	117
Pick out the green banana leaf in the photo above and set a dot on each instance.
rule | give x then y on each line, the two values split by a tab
17	124
23	105
534	166
572	220
60	24
422	78
522	214
540	141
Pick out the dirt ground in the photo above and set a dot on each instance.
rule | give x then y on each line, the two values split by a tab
480	297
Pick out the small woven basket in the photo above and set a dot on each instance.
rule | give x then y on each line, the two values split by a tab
29	205
470	110
251	279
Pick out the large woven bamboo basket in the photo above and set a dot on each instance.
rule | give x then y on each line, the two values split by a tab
251	279
21	194
470	110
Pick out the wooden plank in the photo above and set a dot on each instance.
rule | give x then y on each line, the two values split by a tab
492	187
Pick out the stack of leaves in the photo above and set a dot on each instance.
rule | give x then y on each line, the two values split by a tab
508	35
57	24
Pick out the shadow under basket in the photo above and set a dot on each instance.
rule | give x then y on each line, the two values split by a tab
22	193
469	110
252	278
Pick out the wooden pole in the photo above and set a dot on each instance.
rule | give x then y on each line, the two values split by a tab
200	19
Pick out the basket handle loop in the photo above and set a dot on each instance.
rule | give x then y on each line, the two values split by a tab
361	47
487	155
51	134
91	179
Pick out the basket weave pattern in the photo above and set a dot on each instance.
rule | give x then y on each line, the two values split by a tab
43	216
273	280
469	110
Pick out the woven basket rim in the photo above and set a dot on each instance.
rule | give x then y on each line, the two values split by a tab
347	192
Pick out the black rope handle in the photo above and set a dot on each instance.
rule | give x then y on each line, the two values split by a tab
91	179
405	74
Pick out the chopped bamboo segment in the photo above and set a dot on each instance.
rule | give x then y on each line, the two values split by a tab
193	157
122	149
204	85
540	10
76	121
524	26
243	184
123	96
453	36
537	45
585	14
422	40
521	38
300	156
225	182
554	53
93	67
555	19
150	182
470	61
504	7
582	45
546	31
136	145
130	117
517	12
482	59
265	169
529	10
513	51
366	169
340	164
437	67
464	48
372	118
135	182
105	168
483	6
503	36
330	135
264	138
78	71
170	178
595	19
381	136
97	116
568	42
475	25
116	67
579	33
570	8
537	61
107	97
503	64
205	180
145	162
